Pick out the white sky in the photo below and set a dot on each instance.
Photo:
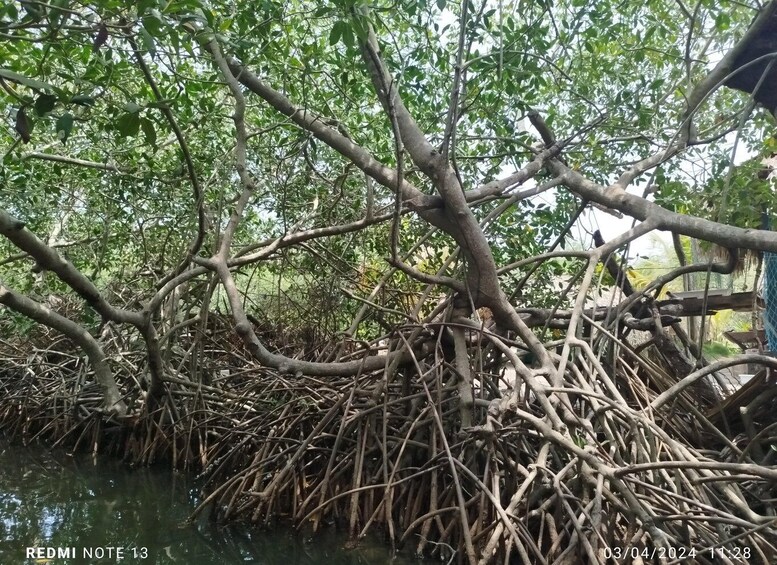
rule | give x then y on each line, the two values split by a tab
611	227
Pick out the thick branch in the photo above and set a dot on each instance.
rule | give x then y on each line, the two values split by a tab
49	259
641	209
321	129
71	161
716	77
112	402
461	223
199	237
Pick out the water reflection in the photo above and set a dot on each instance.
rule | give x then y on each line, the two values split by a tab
100	512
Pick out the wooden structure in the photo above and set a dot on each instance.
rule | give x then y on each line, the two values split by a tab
693	303
746	340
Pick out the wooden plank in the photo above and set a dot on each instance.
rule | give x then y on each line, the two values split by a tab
746	340
680	305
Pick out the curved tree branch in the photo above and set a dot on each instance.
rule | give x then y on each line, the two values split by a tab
112	398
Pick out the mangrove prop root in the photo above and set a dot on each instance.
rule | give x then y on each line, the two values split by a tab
604	472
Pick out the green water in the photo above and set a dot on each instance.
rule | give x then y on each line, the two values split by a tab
56	509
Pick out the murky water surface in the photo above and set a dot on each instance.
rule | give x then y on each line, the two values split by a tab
58	509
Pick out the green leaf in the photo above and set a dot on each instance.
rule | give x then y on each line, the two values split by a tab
29	82
163	104
148	42
154	24
45	103
441	4
722	21
34	12
336	33
58	10
348	37
83	100
11	11
144	5
64	126
128	125
361	28
149	131
205	36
